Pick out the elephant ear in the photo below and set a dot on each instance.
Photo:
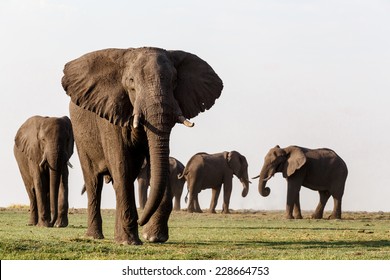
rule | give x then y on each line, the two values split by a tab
69	135
27	141
94	82
295	160
234	162
198	86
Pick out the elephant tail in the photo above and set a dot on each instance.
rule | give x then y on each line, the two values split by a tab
186	198
83	189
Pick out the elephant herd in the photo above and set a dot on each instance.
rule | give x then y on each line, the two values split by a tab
123	106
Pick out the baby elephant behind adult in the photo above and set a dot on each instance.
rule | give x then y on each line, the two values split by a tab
43	146
211	171
321	170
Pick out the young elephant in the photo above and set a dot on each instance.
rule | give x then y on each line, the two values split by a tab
175	168
318	169
211	171
43	146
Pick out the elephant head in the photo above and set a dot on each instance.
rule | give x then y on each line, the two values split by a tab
147	89
286	160
48	142
239	165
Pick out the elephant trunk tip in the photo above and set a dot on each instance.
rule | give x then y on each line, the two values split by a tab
265	191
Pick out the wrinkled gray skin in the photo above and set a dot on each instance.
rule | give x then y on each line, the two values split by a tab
175	168
124	103
317	169
43	146
212	171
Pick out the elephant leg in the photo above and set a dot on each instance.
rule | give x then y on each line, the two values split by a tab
197	208
33	206
227	192
319	212
41	188
297	209
293	189
94	192
156	230
215	191
336	213
63	205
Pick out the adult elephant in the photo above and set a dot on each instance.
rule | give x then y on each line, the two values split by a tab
124	103
43	146
317	169
211	171
176	184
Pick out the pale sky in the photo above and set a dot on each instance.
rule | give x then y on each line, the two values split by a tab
308	73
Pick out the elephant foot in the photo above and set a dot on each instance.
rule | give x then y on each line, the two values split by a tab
61	223
298	217
334	217
156	230
316	216
130	240
212	211
44	224
289	217
94	234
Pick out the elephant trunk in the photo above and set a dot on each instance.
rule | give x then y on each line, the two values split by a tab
159	172
245	190
55	162
263	190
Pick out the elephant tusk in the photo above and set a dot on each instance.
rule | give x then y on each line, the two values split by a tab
184	121
42	163
69	164
256	177
136	120
266	179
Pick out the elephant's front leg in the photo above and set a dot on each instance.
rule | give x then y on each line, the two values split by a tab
227	191
126	226
156	230
41	188
94	193
292	197
214	198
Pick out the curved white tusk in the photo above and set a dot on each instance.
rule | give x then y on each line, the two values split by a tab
186	122
136	120
266	179
43	161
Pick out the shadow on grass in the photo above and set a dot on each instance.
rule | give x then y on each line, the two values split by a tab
293	244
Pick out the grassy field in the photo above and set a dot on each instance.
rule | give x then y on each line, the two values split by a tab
238	236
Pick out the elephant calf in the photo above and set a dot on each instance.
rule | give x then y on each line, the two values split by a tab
43	146
317	169
211	171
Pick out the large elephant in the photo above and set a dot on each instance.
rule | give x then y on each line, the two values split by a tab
43	146
176	184
211	171
317	169
124	103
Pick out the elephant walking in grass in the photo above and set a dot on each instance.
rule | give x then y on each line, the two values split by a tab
212	171
43	146
317	169
124	104
176	184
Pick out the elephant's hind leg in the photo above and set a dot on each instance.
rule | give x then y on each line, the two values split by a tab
319	212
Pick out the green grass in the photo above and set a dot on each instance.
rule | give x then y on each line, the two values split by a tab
241	235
